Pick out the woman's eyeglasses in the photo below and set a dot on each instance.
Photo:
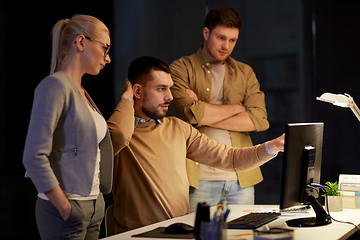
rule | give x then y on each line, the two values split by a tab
105	46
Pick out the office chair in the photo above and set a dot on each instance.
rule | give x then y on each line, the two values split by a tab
109	221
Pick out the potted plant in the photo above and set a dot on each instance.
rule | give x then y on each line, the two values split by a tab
334	201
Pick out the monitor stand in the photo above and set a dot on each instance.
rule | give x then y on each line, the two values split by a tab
321	219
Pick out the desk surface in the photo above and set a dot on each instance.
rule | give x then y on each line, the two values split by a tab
334	230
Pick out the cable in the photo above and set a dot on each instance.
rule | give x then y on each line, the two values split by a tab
327	209
316	186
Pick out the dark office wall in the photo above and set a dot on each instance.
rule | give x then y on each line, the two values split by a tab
337	70
25	48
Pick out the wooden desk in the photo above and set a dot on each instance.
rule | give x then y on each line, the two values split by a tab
334	230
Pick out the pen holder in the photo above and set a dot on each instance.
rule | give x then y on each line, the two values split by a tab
202	215
213	230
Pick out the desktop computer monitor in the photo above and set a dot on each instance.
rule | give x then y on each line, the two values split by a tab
301	167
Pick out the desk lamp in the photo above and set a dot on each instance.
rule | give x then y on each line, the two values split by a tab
341	100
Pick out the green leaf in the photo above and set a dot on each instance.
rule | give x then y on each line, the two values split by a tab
332	189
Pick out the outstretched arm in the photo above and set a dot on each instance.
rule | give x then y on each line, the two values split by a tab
209	152
277	145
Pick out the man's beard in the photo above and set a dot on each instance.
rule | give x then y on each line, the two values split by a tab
154	113
213	54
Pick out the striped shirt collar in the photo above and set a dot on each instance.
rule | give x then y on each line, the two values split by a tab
141	120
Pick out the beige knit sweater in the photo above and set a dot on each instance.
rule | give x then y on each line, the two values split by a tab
150	181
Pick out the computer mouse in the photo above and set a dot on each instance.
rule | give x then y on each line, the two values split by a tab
179	228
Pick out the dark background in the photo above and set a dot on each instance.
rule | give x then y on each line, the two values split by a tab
299	49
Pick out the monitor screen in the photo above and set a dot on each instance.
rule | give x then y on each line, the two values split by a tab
302	162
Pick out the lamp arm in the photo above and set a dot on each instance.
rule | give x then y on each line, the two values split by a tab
354	108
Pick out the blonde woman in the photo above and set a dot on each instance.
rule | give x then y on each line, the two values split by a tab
68	152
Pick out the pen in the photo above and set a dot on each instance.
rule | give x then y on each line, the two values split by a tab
226	214
239	235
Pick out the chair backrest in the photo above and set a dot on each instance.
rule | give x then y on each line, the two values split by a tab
109	221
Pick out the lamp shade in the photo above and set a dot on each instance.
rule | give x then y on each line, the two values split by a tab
337	99
341	100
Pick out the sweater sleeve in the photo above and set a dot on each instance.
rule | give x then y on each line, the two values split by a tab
48	106
205	150
121	125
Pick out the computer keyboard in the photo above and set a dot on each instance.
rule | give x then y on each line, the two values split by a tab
253	220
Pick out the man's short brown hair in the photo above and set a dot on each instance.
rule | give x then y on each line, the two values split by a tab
224	16
140	69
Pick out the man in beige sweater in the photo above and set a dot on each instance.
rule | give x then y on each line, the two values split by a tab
150	181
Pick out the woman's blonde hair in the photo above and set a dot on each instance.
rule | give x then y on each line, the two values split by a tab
65	31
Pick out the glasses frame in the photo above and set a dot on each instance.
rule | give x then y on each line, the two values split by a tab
106	46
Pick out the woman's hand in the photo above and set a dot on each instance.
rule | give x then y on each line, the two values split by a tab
59	200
